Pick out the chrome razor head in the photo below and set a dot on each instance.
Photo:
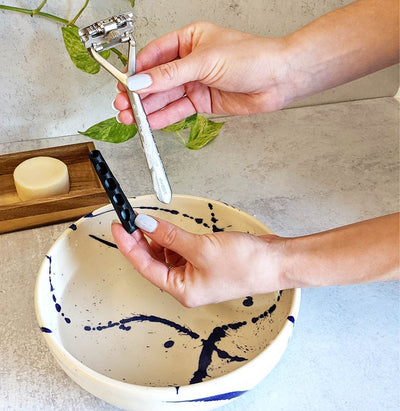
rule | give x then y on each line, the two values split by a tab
108	33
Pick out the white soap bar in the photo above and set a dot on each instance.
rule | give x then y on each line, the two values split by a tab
40	177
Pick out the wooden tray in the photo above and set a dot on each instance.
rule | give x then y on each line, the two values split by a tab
85	195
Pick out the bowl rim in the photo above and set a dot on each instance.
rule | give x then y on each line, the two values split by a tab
190	390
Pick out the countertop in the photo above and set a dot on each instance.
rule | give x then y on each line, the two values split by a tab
299	171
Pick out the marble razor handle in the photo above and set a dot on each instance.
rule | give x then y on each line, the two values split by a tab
114	192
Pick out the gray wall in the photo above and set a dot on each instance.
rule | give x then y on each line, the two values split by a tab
44	95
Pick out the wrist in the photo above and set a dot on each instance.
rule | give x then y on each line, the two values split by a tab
277	264
301	77
295	260
280	81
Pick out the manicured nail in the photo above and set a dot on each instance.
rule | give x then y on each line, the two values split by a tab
146	223
138	81
113	106
115	221
116	118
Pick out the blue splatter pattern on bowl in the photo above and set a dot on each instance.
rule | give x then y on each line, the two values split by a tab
133	345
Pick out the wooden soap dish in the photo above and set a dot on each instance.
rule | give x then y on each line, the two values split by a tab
85	195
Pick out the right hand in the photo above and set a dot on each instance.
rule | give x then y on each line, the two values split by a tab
208	69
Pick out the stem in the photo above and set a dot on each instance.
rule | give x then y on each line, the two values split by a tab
122	57
39	8
33	12
37	12
181	138
73	21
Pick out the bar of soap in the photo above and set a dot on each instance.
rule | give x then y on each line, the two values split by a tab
40	177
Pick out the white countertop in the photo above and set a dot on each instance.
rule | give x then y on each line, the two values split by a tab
299	171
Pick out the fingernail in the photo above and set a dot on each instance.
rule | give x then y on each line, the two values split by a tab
138	81
113	106
116	118
146	223
115	221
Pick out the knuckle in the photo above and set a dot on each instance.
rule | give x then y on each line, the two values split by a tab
184	293
169	70
169	236
189	302
211	244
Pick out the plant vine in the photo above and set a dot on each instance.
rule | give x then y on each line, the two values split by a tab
201	130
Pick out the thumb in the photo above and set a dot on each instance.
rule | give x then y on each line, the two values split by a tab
166	76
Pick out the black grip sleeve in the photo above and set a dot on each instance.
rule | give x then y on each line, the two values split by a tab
117	197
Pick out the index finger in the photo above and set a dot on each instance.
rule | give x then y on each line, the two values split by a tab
171	46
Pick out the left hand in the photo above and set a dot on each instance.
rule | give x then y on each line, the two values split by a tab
202	269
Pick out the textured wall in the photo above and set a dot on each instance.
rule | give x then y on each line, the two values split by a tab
44	95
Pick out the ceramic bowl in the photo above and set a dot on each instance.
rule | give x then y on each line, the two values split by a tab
134	346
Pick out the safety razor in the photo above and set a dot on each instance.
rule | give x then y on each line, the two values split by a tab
112	33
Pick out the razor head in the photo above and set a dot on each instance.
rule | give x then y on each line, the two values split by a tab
108	33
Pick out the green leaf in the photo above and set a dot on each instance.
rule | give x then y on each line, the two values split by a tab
174	128
202	132
78	53
191	120
181	125
110	131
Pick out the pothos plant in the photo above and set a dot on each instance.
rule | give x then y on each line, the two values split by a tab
195	131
